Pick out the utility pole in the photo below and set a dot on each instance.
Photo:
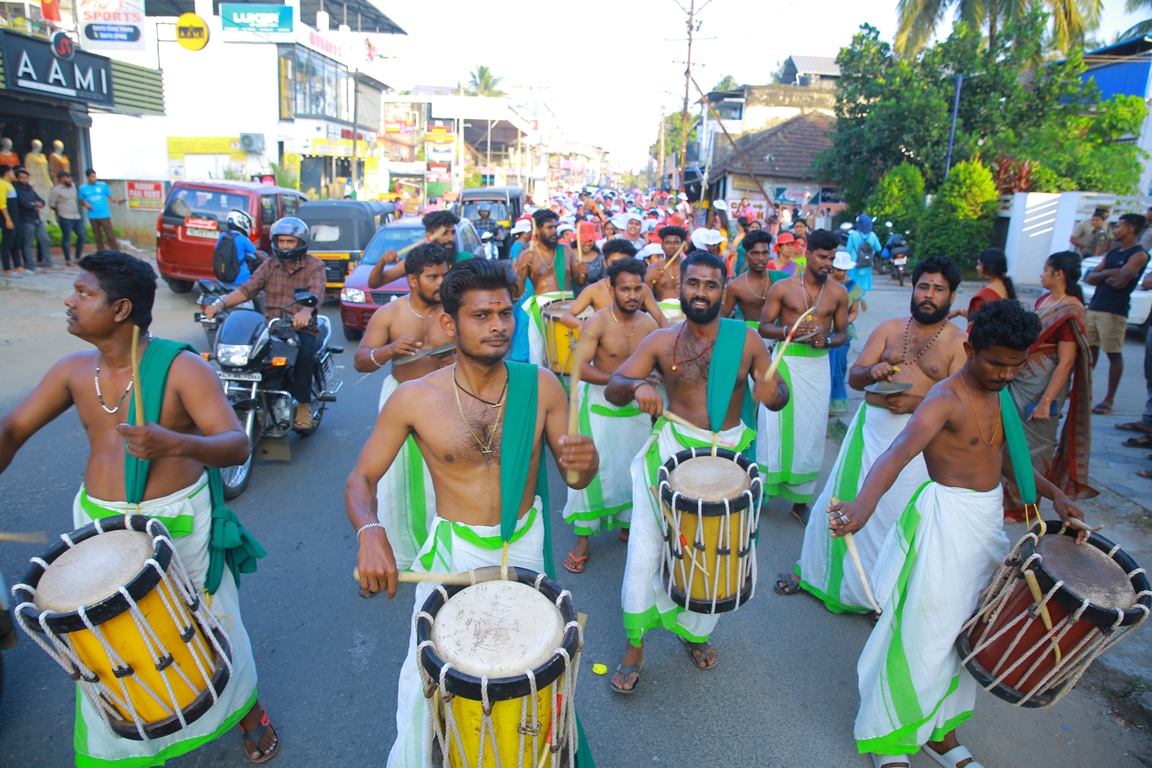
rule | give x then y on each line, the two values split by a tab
660	153
684	109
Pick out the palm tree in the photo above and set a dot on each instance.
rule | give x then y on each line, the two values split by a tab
1144	27
481	82
728	83
1071	19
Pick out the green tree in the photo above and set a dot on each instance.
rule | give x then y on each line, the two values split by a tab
728	83
1071	19
899	198
1144	27
672	134
481	82
958	223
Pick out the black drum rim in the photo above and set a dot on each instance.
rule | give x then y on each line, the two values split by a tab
499	688
113	605
725	605
710	508
1069	600
985	680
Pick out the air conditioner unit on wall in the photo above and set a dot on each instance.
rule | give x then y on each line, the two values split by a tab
252	142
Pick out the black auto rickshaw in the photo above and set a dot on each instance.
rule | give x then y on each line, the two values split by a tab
339	231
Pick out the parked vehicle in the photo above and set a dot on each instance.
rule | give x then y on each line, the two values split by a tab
339	231
196	212
358	302
257	359
1141	303
506	204
894	256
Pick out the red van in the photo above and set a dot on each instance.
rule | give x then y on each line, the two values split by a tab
195	214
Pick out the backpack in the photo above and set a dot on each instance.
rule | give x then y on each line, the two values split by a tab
225	260
865	253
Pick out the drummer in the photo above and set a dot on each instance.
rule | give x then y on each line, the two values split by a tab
749	290
598	296
917	352
545	264
664	274
790	452
701	355
196	429
400	329
607	339
948	543
439	227
484	459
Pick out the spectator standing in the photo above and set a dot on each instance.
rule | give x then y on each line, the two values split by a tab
838	356
1145	423
94	198
1090	238
1115	278
11	216
65	201
863	246
1146	235
992	267
746	210
33	232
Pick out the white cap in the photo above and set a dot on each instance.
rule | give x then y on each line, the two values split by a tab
565	228
652	249
619	221
843	260
521	227
720	205
702	238
630	216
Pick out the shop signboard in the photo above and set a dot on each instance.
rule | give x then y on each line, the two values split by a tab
31	66
111	25
146	195
256	22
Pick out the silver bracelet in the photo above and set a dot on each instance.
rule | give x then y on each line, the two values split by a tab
366	527
372	357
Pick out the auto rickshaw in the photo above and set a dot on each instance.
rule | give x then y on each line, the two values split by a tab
339	231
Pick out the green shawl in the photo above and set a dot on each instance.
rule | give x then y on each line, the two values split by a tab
229	543
1017	443
722	372
561	270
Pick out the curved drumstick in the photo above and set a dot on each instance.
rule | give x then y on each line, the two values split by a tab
577	360
784	345
430	238
25	538
668	263
136	394
411	577
855	555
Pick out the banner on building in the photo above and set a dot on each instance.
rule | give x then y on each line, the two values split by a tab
146	195
111	25
256	23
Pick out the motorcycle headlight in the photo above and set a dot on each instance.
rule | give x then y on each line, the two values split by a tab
233	355
353	296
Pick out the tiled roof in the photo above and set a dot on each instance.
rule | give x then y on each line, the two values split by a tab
785	151
816	65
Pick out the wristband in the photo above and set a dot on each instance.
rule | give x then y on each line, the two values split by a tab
366	527
372	357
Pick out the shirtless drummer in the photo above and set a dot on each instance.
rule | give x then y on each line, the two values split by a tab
749	290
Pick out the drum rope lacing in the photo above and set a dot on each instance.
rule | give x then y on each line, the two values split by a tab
1066	671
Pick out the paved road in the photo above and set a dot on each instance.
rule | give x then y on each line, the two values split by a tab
784	693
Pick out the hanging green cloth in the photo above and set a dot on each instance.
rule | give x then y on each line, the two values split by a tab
561	269
1018	453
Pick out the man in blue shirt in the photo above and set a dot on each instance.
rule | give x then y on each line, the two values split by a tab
94	197
239	228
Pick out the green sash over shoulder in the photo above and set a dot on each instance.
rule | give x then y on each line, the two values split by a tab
726	356
561	270
229	543
1018	453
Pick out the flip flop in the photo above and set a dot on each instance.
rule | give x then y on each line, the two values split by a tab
578	563
1101	409
703	648
1144	441
879	761
786	584
953	756
256	735
1145	473
802	517
1135	426
628	670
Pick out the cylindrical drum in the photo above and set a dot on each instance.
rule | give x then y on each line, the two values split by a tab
112	605
710	505
1051	610
559	339
499	659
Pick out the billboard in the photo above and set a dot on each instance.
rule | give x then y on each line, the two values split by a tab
253	22
111	25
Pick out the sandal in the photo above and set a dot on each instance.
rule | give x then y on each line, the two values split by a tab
578	564
1101	409
631	669
303	416
802	514
880	761
786	584
257	736
1144	441
953	756
1135	426
702	649
1145	473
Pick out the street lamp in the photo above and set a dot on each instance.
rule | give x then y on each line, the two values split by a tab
955	112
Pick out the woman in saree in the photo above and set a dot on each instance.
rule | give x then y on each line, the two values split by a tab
1058	369
992	267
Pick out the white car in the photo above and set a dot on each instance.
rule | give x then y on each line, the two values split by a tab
1141	304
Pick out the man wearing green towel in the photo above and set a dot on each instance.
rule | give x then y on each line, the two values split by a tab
158	469
481	426
705	363
946	546
544	267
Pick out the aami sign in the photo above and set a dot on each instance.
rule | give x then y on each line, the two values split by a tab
31	66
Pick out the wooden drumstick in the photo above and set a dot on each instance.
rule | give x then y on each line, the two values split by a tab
668	263
412	577
136	394
429	239
675	419
1079	524
855	555
577	360
784	345
25	538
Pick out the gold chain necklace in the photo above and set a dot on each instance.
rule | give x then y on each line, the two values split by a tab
907	329
972	403
408	301
635	325
810	309
767	285
486	449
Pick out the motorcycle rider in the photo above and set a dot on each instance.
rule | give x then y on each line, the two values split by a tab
239	229
280	278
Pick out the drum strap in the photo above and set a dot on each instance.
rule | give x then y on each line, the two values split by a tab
154	365
1018	453
516	444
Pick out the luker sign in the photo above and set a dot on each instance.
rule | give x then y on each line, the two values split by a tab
31	66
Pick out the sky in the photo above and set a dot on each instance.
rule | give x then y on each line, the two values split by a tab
611	64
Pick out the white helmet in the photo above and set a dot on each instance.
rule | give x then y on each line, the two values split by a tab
240	221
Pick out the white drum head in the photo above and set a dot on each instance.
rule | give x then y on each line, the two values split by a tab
498	629
1087	571
93	570
709	478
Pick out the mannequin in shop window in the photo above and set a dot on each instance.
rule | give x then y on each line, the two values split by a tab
58	162
37	164
7	156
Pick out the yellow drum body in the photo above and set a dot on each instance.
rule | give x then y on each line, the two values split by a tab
115	604
559	339
711	511
514	644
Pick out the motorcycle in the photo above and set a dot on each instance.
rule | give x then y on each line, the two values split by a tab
257	360
895	255
210	291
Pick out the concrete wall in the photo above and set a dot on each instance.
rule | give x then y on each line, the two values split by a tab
769	105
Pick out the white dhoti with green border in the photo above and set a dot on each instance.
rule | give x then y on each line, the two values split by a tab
188	516
405	498
643	596
536	329
938	557
790	448
825	568
453	548
618	434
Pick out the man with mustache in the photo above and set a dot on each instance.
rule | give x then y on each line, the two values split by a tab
664	274
749	290
442	225
399	329
598	296
917	351
481	426
790	448
607	339
545	266
702	355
